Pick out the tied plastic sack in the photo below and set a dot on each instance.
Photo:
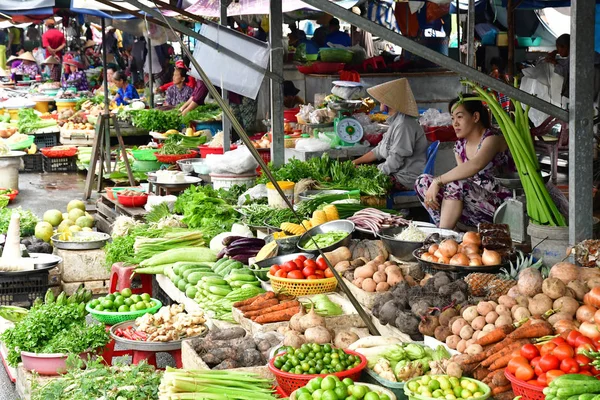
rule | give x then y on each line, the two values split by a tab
349	93
303	115
235	162
433	117
254	193
322	116
313	144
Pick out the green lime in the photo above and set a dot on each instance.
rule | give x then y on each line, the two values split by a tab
328	383
148	304
101	299
304	396
413	386
126	292
371	396
457	391
128	301
450	397
136	298
146	297
110	297
99	307
384	396
140	305
301	391
438	393
425	380
465	394
119	301
359	391
123	308
329	395
108	304
133	308
348	381
317	394
433	385
472	387
94	303
341	392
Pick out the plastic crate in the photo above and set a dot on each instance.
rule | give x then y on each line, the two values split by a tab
33	163
22	290
46	139
63	164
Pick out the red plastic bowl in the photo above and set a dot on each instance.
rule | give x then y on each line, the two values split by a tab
290	382
47	364
305	69
205	150
173	158
132	201
327	68
11	196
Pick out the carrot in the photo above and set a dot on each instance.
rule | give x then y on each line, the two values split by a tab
532	330
278	316
284	297
507	348
281	306
259	305
480	373
495	336
470	359
501	362
501	389
247	302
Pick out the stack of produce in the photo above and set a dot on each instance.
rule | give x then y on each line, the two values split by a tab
467	253
241	248
122	302
435	387
269	308
316	359
332	388
327	214
302	268
571	386
378	275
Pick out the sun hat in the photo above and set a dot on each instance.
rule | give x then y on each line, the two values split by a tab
51	60
11	59
89	43
397	95
27	56
50	21
74	63
289	89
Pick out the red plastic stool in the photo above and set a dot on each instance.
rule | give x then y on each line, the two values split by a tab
120	278
374	63
109	351
150	357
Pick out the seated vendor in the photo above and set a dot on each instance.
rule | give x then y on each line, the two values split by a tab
53	65
290	95
126	91
179	92
297	38
402	151
76	77
197	99
468	193
28	67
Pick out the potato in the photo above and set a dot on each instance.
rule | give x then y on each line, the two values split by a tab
513	308
478	323
523	301
381	268
488	328
491	317
358	282
476	335
474	349
447	315
493	304
452	320
483	308
566	305
382	287
561	316
458	325
442	332
593	282
553	288
470	342
521	313
461	346
466	332
503	310
470	313
580	289
452	341
369	285
540	304
503	320
506	301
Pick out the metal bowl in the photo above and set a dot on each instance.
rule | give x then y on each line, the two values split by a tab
286	245
401	249
269	262
100	239
186	165
333	226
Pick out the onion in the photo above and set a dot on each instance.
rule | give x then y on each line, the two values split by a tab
427	257
475	262
470	248
585	313
565	325
475	257
491	257
592	298
590	330
433	248
448	248
472	238
565	271
459	259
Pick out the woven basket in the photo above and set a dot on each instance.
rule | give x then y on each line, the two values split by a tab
302	287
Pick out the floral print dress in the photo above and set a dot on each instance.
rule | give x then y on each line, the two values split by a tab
481	194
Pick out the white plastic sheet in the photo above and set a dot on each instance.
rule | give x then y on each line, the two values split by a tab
541	81
237	162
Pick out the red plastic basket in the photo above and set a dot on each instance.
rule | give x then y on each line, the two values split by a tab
11	196
327	68
526	390
290	115
265	154
51	153
441	133
205	150
305	69
132	201
173	158
289	382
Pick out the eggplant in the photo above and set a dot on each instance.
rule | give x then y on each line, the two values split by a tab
243	257
232	251
222	253
248	242
230	239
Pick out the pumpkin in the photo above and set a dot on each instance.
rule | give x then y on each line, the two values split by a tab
368	249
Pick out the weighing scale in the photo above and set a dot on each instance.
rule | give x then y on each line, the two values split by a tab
513	211
348	130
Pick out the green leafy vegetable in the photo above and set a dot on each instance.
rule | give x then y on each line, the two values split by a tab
77	339
29	121
324	239
203	113
28	220
156	120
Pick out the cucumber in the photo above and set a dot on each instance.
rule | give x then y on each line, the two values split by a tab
587	396
184	268
236	276
550	391
197	276
181	285
255	284
187	272
575	389
221	261
245	271
191	292
219	290
235	265
222	266
212	280
572	379
214	297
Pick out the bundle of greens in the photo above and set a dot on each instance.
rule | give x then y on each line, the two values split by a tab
97	381
156	120
189	142
29	121
173	148
204	113
28	220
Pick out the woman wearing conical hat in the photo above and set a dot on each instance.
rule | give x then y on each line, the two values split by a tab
28	67
401	154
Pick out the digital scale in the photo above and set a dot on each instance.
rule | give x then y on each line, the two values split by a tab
348	130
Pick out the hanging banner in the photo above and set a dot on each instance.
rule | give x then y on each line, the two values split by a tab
225	72
30	5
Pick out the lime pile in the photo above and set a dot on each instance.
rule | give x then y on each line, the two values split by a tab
331	388
315	359
123	301
445	387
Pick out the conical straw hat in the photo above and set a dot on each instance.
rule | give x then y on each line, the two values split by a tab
51	60
27	56
396	95
11	59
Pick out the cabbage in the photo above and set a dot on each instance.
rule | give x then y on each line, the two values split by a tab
374	354
415	351
440	353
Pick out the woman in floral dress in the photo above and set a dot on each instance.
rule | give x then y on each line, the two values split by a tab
468	193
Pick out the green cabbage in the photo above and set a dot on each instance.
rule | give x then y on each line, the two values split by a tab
415	351
440	353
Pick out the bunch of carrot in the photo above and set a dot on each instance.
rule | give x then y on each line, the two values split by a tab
269	308
498	348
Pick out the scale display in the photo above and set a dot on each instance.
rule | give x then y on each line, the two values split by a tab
349	130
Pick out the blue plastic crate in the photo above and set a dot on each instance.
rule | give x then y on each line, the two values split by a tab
213	127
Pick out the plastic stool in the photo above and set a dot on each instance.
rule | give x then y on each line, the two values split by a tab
150	357
109	351
374	63
120	278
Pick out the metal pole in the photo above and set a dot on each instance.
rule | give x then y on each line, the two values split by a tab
435	57
224	94
581	114
510	21
104	73
106	129
458	38
150	72
471	35
276	39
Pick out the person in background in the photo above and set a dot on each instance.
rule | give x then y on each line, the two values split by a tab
402	151
362	38
178	92
468	193
336	36
76	77
28	67
126	92
89	57
53	40
33	35
297	38
198	97
138	58
497	66
189	81
14	39
3	47
290	95
53	65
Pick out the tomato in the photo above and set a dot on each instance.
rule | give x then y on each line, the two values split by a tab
515	363
594	371
535	362
558	341
274	269
552	375
583	362
583	340
320	274
572	337
312	277
322	264
587	373
584	347
563	351
530	352
538	370
310	263
307	271
328	273
569	366
301	258
289	266
524	373
547	348
299	264
281	273
542	379
549	362
295	275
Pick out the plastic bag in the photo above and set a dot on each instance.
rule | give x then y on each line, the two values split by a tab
322	116
433	117
303	115
312	144
236	162
254	193
349	93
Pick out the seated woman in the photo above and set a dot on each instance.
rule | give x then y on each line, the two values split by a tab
468	193
76	77
28	68
179	92
126	92
290	95
404	146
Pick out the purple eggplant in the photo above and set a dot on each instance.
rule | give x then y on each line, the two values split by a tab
232	251
230	239
222	253
243	258
248	242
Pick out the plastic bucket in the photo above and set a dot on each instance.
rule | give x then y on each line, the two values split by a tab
62	106
550	242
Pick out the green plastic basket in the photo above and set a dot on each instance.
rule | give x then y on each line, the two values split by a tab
335	55
146	166
25	144
144	155
370	376
112	318
414	396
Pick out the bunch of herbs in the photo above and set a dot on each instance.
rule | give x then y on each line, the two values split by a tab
28	220
156	120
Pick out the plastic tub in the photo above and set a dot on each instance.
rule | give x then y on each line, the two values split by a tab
275	200
205	150
133	201
413	396
227	181
397	388
373	388
290	115
113	191
50	364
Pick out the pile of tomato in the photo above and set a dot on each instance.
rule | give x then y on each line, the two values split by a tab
302	268
540	364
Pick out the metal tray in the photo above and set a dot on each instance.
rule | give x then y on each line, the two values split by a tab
86	245
42	262
147	346
456	268
189	180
